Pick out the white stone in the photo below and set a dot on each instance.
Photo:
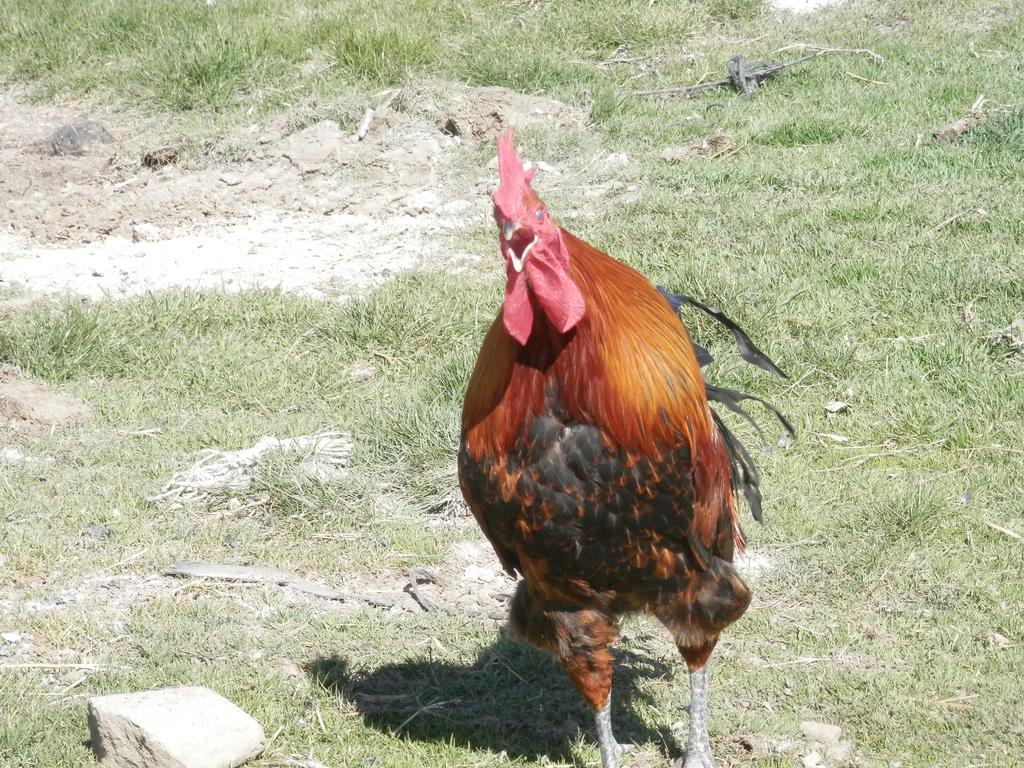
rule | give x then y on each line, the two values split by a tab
837	753
144	232
616	160
188	727
312	148
821	732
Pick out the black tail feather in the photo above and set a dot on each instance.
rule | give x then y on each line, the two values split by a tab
745	476
748	349
731	399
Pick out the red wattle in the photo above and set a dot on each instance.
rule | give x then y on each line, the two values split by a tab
517	313
557	294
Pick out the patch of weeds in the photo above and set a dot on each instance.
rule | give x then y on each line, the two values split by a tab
805	131
1003	134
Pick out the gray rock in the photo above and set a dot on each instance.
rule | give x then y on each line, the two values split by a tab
676	154
616	160
73	138
98	532
821	732
312	148
189	727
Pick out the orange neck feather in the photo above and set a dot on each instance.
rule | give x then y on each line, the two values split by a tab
628	367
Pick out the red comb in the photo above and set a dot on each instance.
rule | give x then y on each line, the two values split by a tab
513	180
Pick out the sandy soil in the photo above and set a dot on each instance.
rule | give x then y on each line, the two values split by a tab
308	207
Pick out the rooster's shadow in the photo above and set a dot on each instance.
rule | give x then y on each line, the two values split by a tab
512	699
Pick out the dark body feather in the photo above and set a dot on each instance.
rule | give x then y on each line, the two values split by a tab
595	468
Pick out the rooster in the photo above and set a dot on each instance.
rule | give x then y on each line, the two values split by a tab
593	463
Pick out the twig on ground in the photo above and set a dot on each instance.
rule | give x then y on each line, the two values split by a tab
822	50
978	213
131	558
421	710
272	739
266	575
994	447
619	57
955	701
418	576
364	124
953	131
974	117
744	75
857	461
45	665
83	675
855	76
1007	531
370	113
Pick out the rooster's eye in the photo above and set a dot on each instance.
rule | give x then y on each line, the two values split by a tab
539	215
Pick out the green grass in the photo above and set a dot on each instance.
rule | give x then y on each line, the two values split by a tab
820	235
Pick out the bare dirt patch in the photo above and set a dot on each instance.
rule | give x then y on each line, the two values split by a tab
295	202
26	406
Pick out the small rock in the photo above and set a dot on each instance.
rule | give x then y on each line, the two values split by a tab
616	160
812	760
230	179
361	371
839	752
11	637
13	456
821	732
836	406
189	727
676	154
145	232
312	148
998	640
98	532
481	573
73	138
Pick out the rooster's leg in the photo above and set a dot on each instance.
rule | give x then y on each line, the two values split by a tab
579	640
610	748
698	747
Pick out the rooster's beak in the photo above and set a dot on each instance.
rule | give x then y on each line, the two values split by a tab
508	229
